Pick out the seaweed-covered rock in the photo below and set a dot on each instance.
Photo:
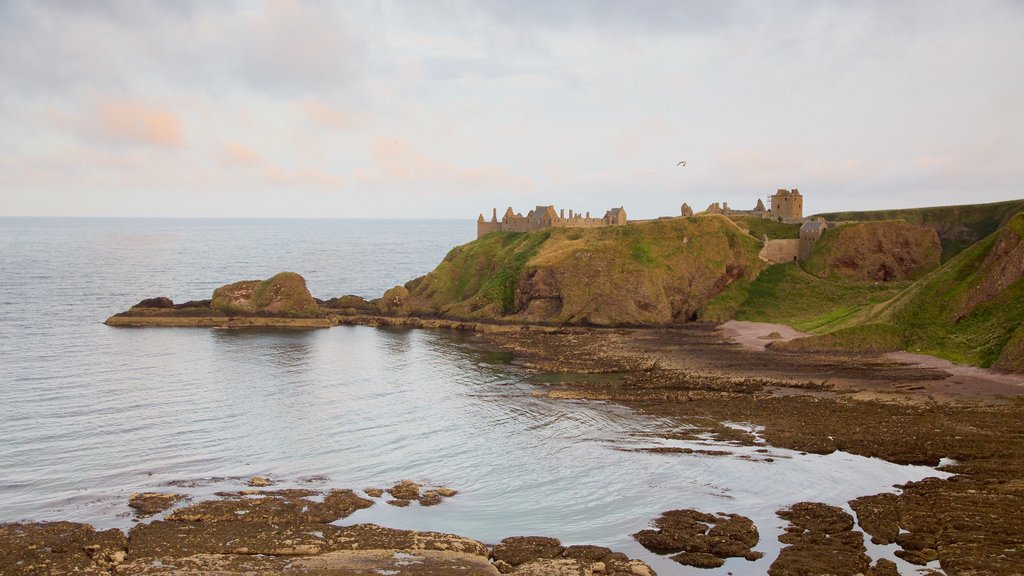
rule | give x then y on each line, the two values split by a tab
158	302
699	539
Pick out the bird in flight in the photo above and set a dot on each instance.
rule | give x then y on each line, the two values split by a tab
682	163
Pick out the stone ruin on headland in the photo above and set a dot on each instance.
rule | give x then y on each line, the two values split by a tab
786	206
545	217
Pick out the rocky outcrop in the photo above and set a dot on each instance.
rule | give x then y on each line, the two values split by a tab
645	273
394	302
150	503
284	294
158	302
820	540
285	531
541	556
875	251
701	540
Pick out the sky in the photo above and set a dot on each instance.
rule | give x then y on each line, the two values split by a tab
446	109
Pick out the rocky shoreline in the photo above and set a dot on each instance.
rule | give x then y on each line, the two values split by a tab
869	404
864	404
287	531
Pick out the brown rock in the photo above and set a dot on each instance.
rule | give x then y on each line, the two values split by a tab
430	498
158	302
695	536
58	548
878	515
522	549
405	490
820	541
149	503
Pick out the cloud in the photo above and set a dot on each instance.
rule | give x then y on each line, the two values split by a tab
235	154
327	115
129	122
396	164
304	177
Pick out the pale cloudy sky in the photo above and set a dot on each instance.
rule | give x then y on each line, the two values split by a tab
448	108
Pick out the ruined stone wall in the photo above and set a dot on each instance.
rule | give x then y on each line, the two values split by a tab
778	251
512	222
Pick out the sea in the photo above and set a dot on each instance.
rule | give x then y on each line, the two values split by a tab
90	414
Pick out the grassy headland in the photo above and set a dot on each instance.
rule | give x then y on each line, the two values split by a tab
652	272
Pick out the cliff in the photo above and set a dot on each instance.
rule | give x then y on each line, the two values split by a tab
645	273
969	310
875	251
957	226
972	308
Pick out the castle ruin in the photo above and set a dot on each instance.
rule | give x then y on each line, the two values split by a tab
786	205
545	217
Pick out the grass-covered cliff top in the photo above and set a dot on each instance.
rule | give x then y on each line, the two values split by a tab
650	272
958	226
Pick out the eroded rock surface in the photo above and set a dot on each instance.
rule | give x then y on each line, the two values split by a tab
701	540
543	556
820	540
59	548
150	503
291	505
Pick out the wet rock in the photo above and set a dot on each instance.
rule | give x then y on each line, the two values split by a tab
518	550
405	490
920	557
820	541
158	302
150	503
815	517
430	498
277	506
374	492
58	548
698	560
400	503
878	515
699	539
884	567
260	481
446	492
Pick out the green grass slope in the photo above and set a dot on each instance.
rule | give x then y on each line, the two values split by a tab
766	227
653	272
958	226
786	294
971	309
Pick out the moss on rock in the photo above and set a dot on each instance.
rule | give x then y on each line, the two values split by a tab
284	294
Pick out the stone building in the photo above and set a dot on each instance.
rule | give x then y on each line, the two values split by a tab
788	205
546	217
810	232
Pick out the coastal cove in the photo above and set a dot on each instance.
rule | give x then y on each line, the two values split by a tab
91	414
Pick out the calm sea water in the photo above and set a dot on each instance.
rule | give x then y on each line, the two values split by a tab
90	414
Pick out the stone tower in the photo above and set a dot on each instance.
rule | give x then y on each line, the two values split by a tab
788	205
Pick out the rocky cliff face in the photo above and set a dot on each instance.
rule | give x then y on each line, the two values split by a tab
876	251
285	294
644	273
972	308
